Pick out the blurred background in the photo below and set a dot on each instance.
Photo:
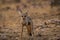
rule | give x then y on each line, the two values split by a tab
44	13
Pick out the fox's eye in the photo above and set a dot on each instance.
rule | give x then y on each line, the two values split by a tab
24	16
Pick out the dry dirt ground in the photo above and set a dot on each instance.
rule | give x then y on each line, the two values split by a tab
46	20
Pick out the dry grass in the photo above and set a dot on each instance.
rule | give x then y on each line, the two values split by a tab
10	21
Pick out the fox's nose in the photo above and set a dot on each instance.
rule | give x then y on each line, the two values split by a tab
23	18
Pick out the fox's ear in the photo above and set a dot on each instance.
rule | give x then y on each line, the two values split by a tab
26	13
18	9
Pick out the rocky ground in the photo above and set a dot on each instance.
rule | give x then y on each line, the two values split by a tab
46	20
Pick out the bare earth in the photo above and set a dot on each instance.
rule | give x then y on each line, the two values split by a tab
40	11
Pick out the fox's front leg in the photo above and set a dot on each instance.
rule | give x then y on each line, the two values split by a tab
22	32
29	30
